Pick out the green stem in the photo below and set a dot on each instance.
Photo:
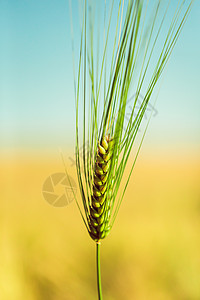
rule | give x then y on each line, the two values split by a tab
99	272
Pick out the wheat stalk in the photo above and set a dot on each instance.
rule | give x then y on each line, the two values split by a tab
102	100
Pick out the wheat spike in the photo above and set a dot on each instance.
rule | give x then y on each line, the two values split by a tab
101	196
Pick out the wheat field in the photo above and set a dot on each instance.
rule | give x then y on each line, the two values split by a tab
152	252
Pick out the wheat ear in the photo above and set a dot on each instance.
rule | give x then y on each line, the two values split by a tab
101	198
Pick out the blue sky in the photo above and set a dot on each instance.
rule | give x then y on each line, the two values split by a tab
36	78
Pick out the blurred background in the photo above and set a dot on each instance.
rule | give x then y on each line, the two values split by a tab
153	251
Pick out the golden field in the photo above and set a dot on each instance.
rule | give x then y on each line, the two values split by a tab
152	253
